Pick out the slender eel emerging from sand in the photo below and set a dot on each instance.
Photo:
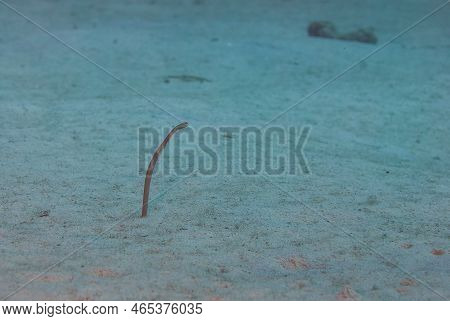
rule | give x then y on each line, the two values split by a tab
151	166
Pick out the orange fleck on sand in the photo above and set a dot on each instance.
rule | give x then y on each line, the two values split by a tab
347	294
105	273
216	298
55	278
406	245
293	263
407	282
438	252
401	290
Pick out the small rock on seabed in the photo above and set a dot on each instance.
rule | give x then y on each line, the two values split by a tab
326	29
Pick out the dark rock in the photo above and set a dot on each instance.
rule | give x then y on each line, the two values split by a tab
326	29
360	35
186	78
323	29
44	213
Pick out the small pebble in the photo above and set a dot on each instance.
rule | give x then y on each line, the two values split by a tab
44	213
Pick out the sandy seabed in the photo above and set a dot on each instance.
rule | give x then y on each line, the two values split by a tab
371	221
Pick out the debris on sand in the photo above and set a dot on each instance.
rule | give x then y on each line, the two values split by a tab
402	290
347	294
326	29
322	29
104	273
292	263
44	213
186	78
438	252
407	282
360	35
